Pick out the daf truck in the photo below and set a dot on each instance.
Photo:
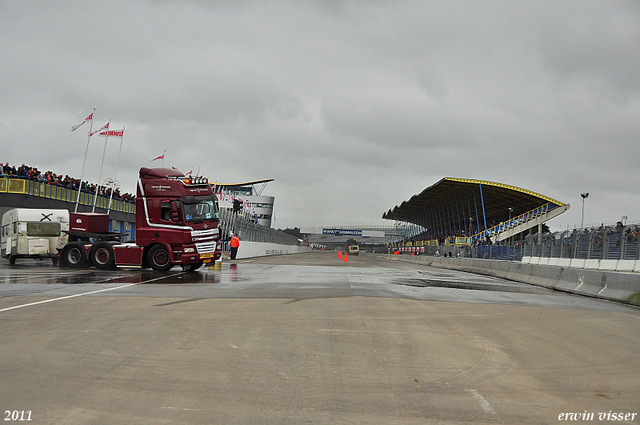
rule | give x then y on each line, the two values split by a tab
176	225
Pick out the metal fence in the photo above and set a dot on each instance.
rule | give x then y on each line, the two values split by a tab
249	231
31	187
603	243
495	252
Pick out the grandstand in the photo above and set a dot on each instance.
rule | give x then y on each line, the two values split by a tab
254	206
466	211
21	190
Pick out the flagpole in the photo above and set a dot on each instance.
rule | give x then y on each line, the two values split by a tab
116	173
95	198
84	162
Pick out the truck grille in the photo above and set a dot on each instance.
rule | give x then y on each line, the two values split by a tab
205	233
205	247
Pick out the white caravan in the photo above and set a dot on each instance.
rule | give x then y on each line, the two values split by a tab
33	233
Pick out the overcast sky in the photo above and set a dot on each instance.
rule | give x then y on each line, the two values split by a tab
351	106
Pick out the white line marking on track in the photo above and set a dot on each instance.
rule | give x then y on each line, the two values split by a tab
80	295
483	402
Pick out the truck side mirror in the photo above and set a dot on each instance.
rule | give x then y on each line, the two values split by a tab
175	212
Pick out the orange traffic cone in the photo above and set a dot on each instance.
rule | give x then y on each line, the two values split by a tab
345	257
340	255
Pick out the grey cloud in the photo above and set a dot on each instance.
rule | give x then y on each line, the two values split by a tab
543	95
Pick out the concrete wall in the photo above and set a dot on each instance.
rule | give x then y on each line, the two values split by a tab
593	264
263	249
617	286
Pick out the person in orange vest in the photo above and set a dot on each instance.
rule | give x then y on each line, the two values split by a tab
234	244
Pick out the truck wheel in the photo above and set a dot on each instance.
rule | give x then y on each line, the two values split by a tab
74	255
102	256
12	260
159	258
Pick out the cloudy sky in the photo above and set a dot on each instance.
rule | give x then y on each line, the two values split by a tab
351	106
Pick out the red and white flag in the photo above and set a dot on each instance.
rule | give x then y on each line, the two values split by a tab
89	118
157	157
104	127
189	173
112	133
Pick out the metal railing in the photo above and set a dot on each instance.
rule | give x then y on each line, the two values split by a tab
603	243
249	231
515	221
494	252
52	191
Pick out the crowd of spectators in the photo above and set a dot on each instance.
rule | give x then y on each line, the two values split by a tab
49	177
628	234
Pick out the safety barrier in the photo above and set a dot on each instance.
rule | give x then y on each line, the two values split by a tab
593	264
263	249
59	193
611	285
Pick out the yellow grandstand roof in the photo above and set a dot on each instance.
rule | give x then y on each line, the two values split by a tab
460	199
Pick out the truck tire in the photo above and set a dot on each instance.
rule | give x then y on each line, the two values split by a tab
102	256
74	255
12	260
159	259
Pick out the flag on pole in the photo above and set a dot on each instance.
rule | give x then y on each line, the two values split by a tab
158	157
89	118
104	127
112	133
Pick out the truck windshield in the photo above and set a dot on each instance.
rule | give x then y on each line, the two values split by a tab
200	208
43	229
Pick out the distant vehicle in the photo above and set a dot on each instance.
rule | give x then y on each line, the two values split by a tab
33	233
352	247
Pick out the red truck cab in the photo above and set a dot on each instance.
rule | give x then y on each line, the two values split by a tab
176	224
176	219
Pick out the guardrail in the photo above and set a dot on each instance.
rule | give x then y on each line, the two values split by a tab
59	193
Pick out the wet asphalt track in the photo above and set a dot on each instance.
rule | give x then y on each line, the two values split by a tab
307	339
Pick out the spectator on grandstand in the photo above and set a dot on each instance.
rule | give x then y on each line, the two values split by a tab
49	177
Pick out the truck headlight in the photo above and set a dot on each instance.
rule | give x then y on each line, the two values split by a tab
189	250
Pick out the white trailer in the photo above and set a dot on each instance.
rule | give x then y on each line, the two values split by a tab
33	233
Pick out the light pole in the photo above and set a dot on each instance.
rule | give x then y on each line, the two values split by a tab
584	196
509	222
